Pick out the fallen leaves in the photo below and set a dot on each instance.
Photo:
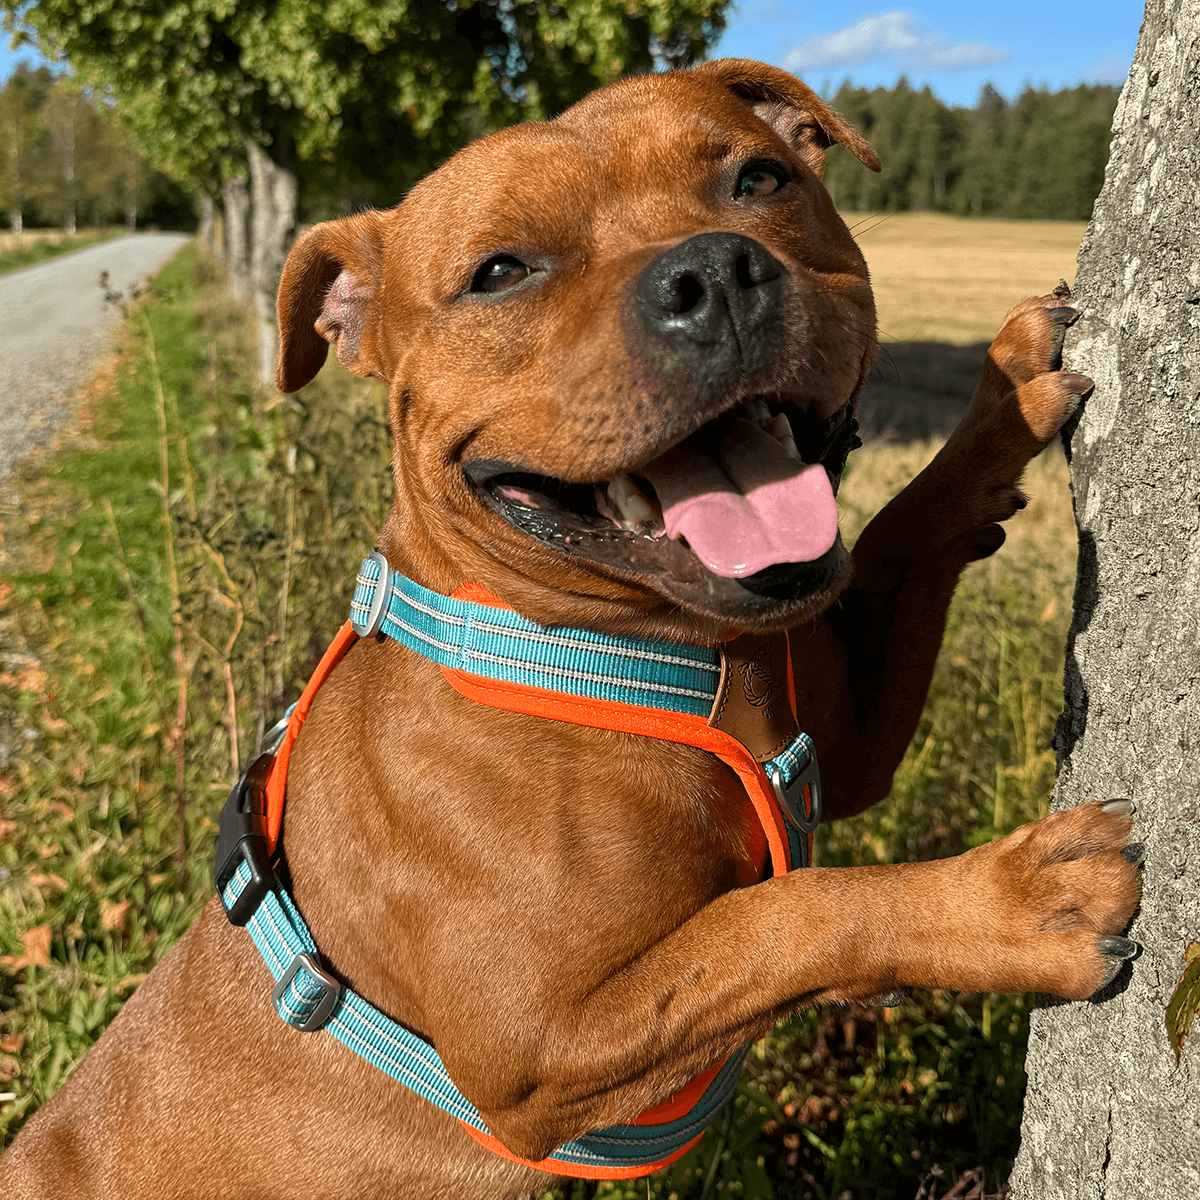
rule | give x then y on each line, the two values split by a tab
1185	1001
37	950
40	879
113	914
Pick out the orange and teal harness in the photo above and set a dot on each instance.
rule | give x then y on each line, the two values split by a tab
668	690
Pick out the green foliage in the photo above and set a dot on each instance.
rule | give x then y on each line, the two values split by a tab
1042	156
64	152
101	866
377	90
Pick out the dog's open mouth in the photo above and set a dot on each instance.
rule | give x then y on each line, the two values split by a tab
749	496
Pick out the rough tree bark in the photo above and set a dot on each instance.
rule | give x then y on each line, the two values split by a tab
206	232
236	202
273	221
1108	1113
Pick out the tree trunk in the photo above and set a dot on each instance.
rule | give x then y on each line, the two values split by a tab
131	218
1108	1114
16	220
237	207
273	220
205	234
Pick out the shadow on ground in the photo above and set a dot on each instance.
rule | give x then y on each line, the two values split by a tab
919	390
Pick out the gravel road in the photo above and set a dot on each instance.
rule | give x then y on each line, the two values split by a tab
58	324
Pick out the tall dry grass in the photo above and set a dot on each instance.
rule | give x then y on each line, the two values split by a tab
939	278
270	498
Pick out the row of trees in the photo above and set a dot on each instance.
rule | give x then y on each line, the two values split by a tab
263	106
1041	156
64	160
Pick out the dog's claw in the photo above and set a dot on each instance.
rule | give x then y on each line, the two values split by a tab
1125	808
1135	853
1115	967
1118	947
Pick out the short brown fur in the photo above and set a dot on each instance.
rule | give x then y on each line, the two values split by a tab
559	912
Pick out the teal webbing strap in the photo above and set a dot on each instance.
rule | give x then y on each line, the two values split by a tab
500	644
307	998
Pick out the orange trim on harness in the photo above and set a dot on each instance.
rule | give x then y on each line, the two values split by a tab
277	782
683	728
555	1166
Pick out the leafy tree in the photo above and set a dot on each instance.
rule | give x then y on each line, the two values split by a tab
357	89
21	101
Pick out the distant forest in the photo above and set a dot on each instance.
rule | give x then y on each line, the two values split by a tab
1041	156
65	161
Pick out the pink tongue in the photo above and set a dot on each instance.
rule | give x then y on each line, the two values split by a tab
750	508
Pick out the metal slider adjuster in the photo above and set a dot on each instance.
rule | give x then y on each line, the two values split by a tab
331	993
791	795
369	625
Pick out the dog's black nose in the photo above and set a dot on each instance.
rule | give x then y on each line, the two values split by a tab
709	289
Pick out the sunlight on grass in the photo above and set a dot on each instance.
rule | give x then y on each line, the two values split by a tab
105	858
952	279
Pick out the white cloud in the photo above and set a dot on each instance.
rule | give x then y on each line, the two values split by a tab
1113	69
897	35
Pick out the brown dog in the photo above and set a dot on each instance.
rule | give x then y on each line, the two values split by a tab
562	307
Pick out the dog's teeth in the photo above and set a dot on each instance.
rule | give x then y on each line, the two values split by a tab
781	431
779	428
634	508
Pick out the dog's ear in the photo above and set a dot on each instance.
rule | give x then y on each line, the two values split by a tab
325	294
792	109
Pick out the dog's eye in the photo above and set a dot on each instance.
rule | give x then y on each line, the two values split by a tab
499	273
760	179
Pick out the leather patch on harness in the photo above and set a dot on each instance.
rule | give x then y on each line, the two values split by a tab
752	697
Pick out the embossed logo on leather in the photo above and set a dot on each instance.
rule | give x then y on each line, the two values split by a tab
760	680
752	698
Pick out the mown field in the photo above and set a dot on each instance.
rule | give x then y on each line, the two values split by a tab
185	534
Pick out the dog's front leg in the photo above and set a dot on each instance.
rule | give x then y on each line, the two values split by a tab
1036	910
863	669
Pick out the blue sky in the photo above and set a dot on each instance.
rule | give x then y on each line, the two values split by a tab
952	46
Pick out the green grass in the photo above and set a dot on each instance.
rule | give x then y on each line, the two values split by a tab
105	858
40	251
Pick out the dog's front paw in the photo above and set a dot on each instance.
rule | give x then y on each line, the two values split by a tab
1060	894
1023	396
1030	340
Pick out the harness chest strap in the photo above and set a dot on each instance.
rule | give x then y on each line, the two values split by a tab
677	692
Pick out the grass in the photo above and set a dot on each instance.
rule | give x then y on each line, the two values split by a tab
22	250
178	547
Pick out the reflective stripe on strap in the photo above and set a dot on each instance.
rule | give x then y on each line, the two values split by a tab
500	644
281	936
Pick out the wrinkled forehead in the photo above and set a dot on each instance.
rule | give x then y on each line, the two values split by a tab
616	153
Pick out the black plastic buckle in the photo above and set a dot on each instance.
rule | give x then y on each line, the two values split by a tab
243	838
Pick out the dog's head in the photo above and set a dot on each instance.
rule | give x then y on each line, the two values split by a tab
622	350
